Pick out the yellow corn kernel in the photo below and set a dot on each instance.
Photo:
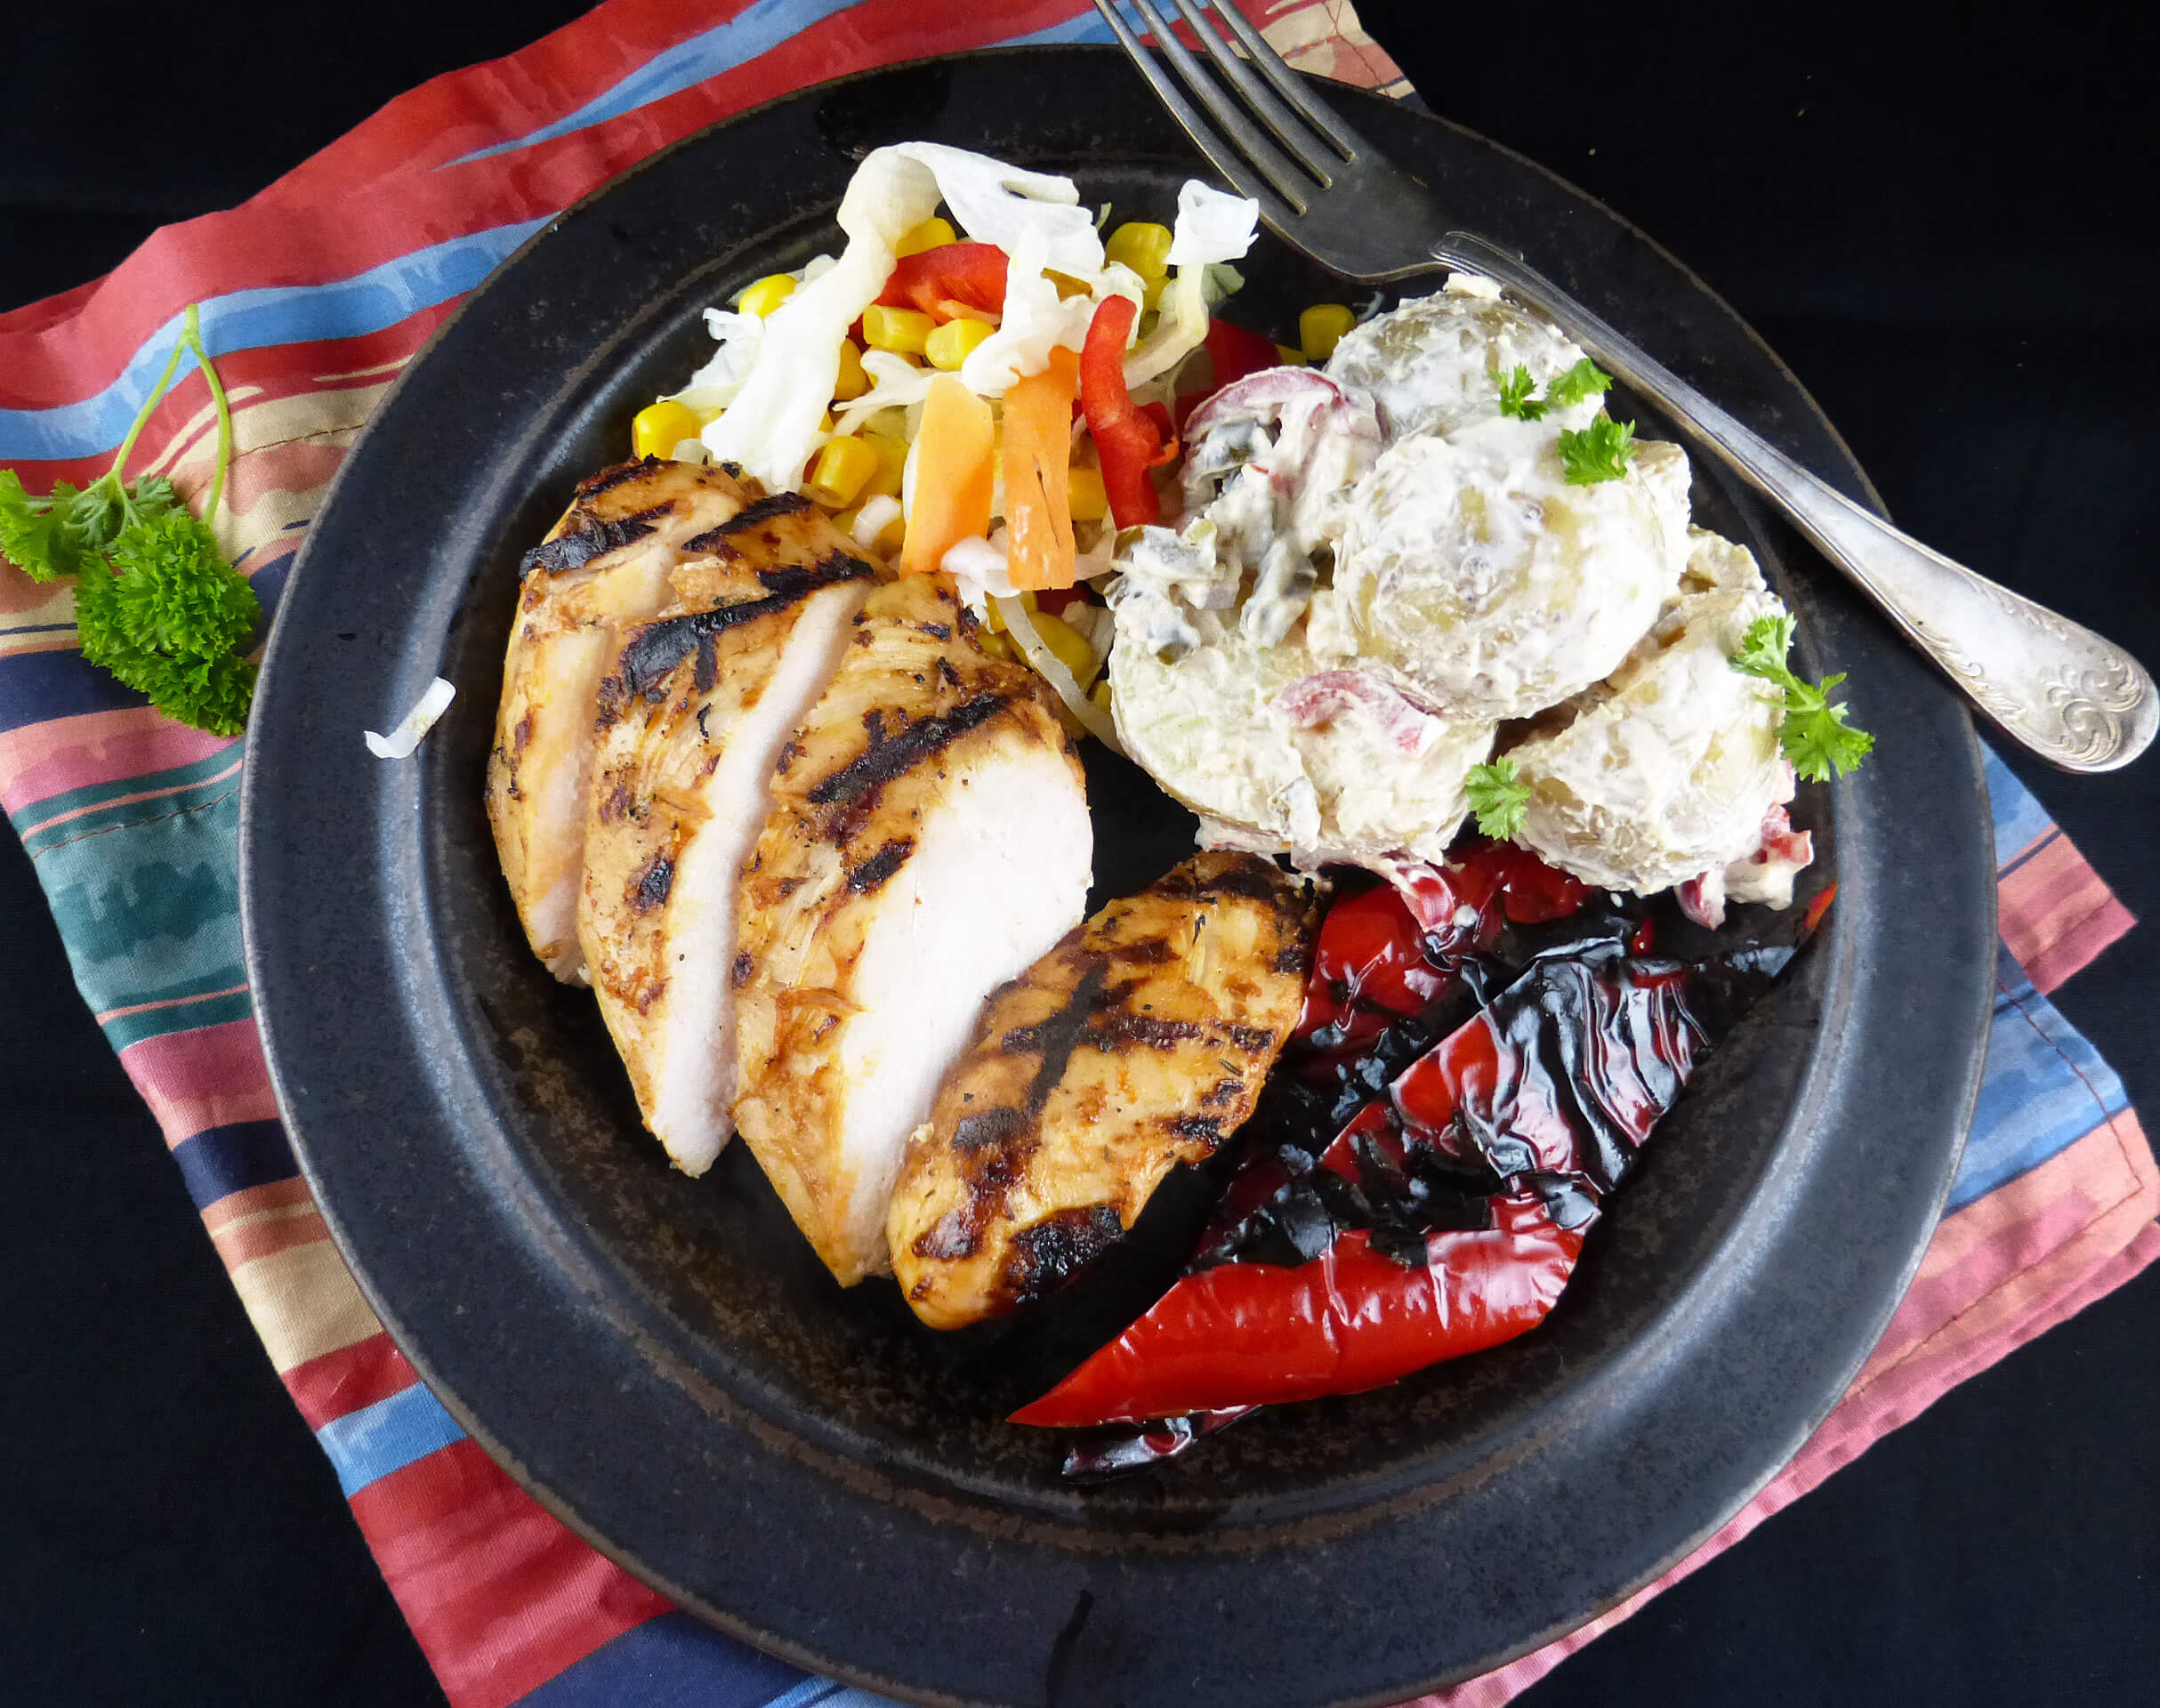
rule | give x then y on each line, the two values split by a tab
840	472
954	342
824	422
852	382
891	464
1084	494
767	294
1143	247
932	234
1321	326
1067	645
656	430
994	643
902	330
1067	285
1290	358
1100	695
1151	298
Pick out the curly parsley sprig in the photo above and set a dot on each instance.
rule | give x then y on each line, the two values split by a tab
156	603
1584	379
1599	452
1499	796
1815	735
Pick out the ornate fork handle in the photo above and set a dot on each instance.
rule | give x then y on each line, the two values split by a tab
2076	699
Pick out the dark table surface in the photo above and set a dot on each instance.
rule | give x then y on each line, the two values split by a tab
1949	233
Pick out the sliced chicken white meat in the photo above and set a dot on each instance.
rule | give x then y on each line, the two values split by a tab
929	840
603	566
692	713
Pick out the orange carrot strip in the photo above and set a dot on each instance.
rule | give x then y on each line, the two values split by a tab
953	450
1039	456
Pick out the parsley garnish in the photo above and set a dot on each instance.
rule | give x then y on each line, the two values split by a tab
1599	452
1515	398
1499	796
156	603
1585	379
1815	735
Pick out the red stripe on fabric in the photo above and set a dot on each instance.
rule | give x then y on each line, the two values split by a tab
42	761
266	1238
2077	944
501	1596
2056	913
213	1076
349	1380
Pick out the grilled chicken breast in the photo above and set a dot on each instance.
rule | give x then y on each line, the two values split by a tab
692	712
929	840
604	565
1137	1044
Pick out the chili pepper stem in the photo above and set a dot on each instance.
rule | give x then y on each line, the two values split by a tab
193	335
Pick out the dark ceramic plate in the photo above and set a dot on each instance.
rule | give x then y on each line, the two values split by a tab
663	1363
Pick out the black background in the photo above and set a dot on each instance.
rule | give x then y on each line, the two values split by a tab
1944	219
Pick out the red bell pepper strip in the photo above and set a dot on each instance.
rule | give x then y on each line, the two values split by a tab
953	280
1129	440
1234	352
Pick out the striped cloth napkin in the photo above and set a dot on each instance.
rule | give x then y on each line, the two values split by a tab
314	294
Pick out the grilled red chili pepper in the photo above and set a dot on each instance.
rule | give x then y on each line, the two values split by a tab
952	281
1129	440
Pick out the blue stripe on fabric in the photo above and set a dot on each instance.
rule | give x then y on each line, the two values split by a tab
2019	816
220	1161
346	308
674	1661
2046	1089
39	686
387	1436
754	31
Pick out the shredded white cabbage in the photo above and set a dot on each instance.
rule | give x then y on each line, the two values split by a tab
1180	328
980	571
895	384
995	203
873	519
1211	225
401	741
1035	321
1020	624
715	385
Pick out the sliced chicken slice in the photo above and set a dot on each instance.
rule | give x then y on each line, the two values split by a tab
692	713
1137	1044
930	838
604	565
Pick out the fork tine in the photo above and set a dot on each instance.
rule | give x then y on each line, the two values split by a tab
1226	160
1310	107
1228	117
1314	154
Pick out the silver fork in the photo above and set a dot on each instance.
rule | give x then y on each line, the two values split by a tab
2076	699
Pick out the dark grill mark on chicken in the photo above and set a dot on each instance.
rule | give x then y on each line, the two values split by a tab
751	515
593	540
653	884
593	485
795	579
1051	1250
857	782
881	866
651	655
991	1127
